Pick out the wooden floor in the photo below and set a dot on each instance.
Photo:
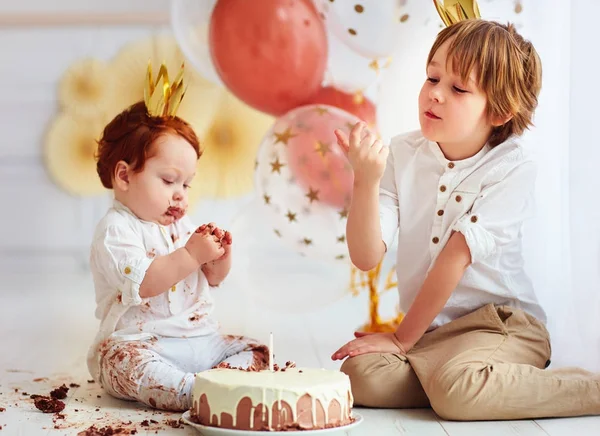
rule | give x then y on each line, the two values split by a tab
47	324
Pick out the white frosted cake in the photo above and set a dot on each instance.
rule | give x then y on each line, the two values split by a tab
288	399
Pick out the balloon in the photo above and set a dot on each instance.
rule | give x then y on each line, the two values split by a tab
305	180
278	278
356	103
271	54
190	20
347	70
376	28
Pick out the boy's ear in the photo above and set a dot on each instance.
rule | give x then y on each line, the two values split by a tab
121	176
501	120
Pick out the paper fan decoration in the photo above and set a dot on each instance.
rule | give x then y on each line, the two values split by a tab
130	66
86	88
230	145
71	144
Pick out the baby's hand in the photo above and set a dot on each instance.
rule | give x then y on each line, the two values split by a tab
366	153
204	245
226	241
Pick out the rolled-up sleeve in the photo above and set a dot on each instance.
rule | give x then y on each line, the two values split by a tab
389	216
498	213
123	260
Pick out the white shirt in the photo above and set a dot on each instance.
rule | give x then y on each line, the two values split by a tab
122	250
487	197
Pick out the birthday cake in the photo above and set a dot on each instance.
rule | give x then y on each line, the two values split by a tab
289	398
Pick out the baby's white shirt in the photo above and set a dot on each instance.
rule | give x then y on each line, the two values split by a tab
425	197
123	248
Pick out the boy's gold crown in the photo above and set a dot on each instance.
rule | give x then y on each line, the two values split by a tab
453	11
162	97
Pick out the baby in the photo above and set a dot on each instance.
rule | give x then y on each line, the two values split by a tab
152	269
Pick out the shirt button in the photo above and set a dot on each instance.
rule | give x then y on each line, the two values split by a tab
443	188
435	240
127	270
473	219
440	212
458	198
451	165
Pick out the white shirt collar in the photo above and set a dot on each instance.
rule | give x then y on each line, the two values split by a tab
457	164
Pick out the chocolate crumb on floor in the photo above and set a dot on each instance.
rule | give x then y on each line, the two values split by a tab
49	405
174	423
60	393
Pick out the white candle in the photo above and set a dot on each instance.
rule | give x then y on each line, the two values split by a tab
271	352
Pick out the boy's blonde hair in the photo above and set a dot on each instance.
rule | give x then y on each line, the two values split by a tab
508	68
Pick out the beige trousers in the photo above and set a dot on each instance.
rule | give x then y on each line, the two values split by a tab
487	365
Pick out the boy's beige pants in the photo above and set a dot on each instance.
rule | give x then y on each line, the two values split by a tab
487	365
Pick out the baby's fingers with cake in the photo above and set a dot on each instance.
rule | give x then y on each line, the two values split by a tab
370	343
365	151
205	246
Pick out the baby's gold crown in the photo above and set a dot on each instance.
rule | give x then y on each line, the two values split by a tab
162	98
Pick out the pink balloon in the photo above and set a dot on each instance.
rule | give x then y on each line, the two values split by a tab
316	160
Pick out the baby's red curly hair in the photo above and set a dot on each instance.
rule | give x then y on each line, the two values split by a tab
129	137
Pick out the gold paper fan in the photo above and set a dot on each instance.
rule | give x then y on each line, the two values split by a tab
86	88
130	67
69	152
226	167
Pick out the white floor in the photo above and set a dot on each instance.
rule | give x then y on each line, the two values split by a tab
46	324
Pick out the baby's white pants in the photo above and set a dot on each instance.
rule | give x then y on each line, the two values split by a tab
160	371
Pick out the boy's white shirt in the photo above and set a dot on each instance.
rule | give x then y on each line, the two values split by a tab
486	197
122	250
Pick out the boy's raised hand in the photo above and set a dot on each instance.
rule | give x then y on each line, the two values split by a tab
366	153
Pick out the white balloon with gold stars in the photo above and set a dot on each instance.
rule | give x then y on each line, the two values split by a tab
376	29
298	217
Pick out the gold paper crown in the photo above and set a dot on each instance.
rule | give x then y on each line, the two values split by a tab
162	97
453	11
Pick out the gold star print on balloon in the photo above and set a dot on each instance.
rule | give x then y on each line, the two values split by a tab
322	148
267	199
343	213
307	241
321	110
376	66
359	280
276	166
291	216
312	194
284	136
342	239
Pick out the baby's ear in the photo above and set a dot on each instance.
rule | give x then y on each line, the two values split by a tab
121	176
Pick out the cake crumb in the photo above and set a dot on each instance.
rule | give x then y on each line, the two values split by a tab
60	393
49	405
91	381
74	385
174	423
